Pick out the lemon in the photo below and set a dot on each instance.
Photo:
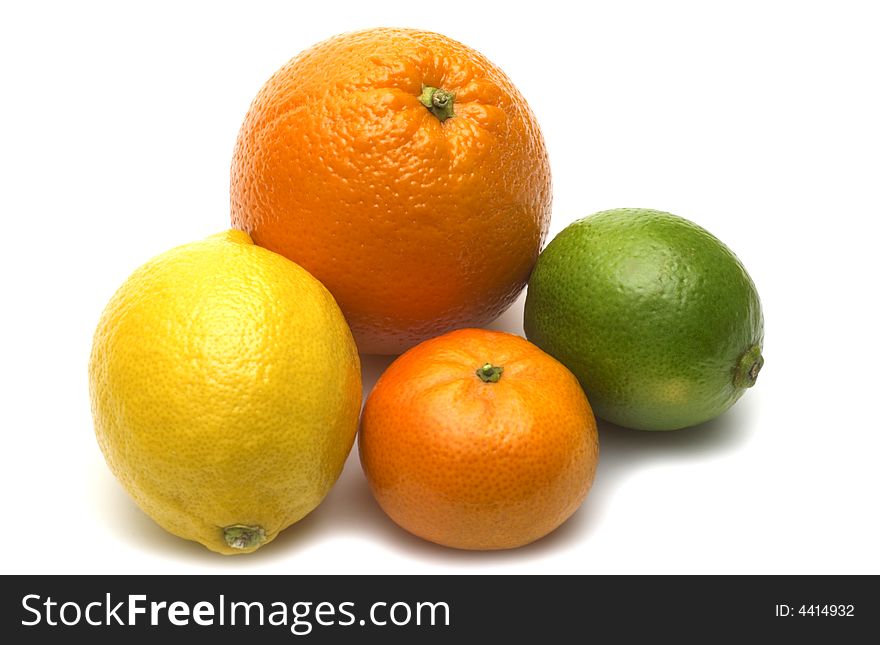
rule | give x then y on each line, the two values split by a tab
225	388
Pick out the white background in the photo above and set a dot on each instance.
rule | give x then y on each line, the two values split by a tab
758	120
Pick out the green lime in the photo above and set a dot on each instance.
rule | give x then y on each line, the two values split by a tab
656	317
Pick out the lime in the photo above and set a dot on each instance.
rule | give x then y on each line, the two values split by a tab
657	318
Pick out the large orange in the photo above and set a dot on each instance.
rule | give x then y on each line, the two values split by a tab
418	219
478	440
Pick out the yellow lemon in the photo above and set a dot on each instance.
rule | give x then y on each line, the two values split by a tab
225	388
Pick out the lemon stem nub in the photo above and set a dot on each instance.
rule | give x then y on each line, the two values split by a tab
438	101
243	537
490	373
749	366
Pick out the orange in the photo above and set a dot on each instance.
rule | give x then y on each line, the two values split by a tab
405	172
478	440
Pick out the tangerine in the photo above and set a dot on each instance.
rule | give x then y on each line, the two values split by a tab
478	440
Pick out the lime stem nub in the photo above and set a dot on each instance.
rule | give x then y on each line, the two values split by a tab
239	536
438	101
490	373
750	363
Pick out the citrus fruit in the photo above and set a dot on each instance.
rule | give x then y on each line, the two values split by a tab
478	440
225	390
405	172
657	318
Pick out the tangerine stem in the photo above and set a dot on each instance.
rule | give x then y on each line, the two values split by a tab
438	101
490	373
